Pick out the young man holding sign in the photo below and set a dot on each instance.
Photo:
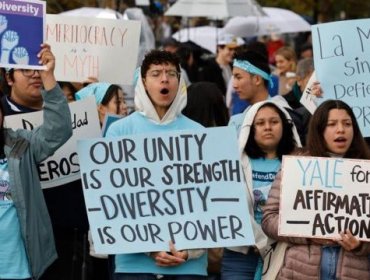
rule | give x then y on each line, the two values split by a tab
333	132
24	89
160	96
26	233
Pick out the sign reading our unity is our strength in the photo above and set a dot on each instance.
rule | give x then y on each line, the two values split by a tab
342	64
143	191
321	197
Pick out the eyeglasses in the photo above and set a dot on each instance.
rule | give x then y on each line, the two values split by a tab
170	74
28	72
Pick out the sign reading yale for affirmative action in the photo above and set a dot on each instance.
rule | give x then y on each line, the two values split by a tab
143	191
321	197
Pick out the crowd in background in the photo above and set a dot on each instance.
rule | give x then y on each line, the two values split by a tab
254	86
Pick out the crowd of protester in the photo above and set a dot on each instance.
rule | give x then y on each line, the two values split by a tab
45	232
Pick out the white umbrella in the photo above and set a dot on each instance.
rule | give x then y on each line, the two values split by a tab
277	21
218	9
204	36
93	12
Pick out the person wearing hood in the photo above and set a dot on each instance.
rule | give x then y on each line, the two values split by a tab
160	96
266	135
109	99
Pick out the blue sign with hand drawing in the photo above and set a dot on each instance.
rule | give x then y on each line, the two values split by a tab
21	33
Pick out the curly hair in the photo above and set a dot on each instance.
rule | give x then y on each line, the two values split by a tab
159	57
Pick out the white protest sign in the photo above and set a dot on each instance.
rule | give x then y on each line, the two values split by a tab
309	100
93	47
342	64
144	190
321	197
62	167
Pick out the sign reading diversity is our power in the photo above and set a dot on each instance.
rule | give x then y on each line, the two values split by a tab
142	191
321	197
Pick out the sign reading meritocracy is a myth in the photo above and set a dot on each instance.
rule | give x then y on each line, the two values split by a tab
106	49
21	33
63	166
143	191
321	197
342	64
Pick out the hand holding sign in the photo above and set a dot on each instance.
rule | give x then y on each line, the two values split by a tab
349	242
174	258
47	59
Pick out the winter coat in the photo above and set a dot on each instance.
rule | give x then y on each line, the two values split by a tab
302	259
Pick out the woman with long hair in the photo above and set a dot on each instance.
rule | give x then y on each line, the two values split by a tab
333	132
266	135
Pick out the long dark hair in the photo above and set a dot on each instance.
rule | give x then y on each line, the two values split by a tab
287	143
111	92
315	143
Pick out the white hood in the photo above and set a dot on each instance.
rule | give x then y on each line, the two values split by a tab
262	241
145	106
249	117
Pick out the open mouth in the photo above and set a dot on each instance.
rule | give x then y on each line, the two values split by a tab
164	91
340	140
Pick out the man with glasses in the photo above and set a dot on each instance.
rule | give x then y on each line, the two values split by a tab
160	96
26	230
23	88
65	203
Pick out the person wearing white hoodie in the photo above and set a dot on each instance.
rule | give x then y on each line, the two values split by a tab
160	96
267	133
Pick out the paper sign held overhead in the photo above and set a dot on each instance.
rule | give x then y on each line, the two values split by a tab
93	47
19	19
342	64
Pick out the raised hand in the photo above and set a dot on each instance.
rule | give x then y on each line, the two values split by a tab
9	40
3	23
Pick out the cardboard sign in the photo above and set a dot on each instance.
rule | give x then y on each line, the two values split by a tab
62	167
321	197
144	190
18	20
106	49
341	54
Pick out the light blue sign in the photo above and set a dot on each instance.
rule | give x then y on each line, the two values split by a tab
145	190
342	63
